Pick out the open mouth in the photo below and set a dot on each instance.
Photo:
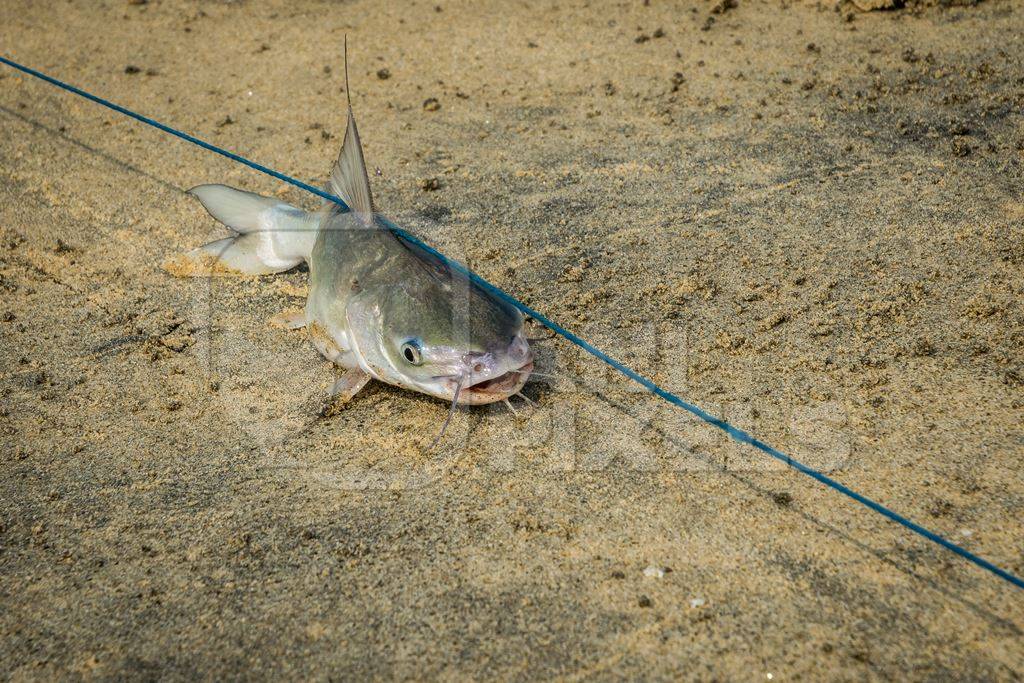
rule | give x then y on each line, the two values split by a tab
499	387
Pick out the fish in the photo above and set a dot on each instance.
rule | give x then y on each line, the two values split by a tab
380	307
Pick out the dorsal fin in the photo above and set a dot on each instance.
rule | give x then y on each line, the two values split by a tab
349	179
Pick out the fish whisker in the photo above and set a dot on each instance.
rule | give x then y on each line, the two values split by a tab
451	411
551	334
526	398
509	404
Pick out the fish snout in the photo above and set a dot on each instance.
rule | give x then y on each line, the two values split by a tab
496	374
477	363
519	350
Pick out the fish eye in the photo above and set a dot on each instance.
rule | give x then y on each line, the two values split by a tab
412	353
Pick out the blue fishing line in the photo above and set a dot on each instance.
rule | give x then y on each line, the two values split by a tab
734	432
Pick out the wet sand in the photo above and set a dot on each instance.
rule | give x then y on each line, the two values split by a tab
805	219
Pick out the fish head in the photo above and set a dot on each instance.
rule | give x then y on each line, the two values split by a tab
441	336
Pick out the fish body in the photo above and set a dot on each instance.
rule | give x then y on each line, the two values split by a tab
401	315
379	306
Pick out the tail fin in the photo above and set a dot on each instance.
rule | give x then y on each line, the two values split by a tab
239	210
270	236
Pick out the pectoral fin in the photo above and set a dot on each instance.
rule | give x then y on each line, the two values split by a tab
290	319
348	385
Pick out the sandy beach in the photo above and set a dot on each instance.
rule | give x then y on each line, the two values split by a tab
805	218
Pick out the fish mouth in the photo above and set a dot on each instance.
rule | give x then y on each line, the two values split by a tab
496	388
